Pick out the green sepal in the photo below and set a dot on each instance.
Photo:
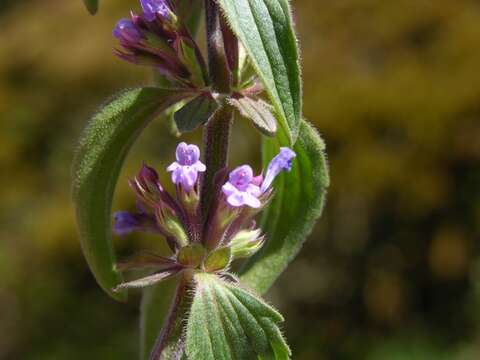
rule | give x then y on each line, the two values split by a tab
103	147
191	255
245	243
229	322
190	58
296	206
218	259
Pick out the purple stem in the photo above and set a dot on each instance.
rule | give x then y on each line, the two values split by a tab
173	323
217	130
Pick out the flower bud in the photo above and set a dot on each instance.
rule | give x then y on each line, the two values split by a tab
147	186
127	32
281	162
246	243
158	9
171	225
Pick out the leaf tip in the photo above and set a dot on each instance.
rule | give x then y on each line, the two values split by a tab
92	6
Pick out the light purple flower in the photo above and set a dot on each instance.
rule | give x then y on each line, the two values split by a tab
185	170
127	32
153	7
240	190
281	162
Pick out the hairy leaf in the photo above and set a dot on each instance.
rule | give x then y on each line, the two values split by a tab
100	155
146	260
195	113
229	322
265	29
148	280
92	6
258	111
297	204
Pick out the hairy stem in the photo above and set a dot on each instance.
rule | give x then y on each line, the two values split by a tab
217	131
216	140
169	340
217	58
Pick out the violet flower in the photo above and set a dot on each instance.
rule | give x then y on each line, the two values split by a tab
126	222
127	32
243	188
152	8
185	170
240	190
281	162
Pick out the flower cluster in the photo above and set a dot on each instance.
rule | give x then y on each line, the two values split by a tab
155	37
194	237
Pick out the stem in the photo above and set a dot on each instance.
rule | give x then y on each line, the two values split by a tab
216	141
173	327
217	130
231	49
217	59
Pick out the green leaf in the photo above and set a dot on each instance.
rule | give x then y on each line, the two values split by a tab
229	322
258	111
265	29
99	158
195	113
92	6
297	204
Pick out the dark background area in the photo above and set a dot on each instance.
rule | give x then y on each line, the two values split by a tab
392	269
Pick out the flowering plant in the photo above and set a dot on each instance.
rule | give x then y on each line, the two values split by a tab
251	71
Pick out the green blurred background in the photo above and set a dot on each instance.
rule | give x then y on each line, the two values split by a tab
391	271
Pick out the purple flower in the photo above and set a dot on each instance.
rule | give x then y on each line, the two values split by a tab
127	32
153	7
185	170
240	190
281	162
126	222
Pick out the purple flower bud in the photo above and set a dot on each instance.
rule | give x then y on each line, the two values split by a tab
152	8
147	186
281	162
240	190
185	170
126	222
127	32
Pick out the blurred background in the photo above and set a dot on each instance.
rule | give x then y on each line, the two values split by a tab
392	270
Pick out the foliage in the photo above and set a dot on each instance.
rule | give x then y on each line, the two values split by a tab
386	84
199	223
